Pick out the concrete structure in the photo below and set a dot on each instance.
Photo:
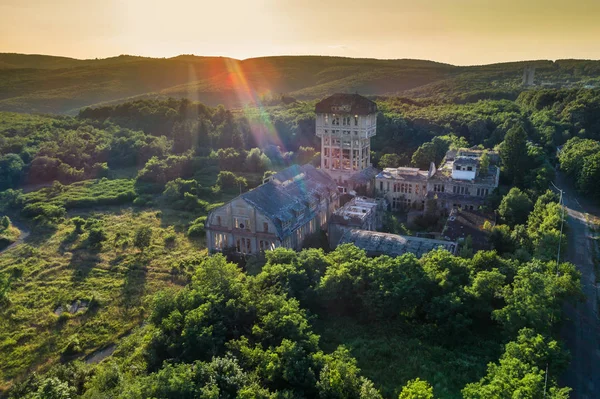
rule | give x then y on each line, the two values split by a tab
302	200
282	212
464	223
375	243
403	188
345	123
461	182
358	213
528	76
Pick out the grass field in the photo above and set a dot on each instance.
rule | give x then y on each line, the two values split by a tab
58	272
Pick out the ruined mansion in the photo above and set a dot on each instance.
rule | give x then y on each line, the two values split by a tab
302	200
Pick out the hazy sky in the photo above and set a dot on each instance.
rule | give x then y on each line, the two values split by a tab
454	31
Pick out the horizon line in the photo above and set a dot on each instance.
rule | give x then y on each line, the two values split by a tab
298	55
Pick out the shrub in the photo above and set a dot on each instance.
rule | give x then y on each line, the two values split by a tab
142	239
44	211
196	228
4	223
228	181
96	236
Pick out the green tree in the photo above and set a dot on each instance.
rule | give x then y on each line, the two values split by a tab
589	176
416	389
513	152
143	237
11	168
228	181
389	161
520	373
515	207
4	223
96	236
484	164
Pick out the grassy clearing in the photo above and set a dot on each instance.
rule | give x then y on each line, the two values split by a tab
390	355
57	271
85	194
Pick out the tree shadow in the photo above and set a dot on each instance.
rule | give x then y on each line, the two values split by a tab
82	262
67	241
134	287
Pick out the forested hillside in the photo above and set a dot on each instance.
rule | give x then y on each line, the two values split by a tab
35	83
115	200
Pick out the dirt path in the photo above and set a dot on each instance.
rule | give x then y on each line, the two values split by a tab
24	234
581	329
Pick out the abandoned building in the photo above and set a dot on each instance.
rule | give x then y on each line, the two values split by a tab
302	200
402	187
282	212
359	213
345	123
376	243
462	224
460	182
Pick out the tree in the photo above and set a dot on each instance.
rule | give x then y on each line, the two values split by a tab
96	236
389	161
416	389
4	223
339	377
267	174
513	152
143	236
520	373
484	164
515	207
228	181
11	168
424	155
590	176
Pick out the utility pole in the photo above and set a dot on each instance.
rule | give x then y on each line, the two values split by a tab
562	222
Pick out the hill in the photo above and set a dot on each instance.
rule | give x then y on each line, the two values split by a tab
46	84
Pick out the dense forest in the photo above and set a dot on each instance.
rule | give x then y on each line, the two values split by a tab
115	200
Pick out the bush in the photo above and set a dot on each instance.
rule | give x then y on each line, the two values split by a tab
96	236
143	237
44	212
196	228
228	181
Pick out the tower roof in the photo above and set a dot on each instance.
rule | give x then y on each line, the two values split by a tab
342	103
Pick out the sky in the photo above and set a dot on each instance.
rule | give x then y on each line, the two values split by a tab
460	32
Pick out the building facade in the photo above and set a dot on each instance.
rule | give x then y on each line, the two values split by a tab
345	124
403	188
460	182
282	212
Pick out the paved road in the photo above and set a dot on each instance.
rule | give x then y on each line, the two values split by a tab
581	329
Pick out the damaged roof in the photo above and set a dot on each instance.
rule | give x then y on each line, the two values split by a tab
287	198
463	223
376	243
342	103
